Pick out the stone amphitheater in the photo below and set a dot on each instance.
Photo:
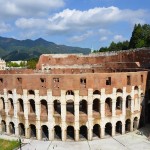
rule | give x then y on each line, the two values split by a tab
75	96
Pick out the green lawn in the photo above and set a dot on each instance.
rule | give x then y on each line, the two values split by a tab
8	145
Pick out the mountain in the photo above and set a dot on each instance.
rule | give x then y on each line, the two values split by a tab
12	49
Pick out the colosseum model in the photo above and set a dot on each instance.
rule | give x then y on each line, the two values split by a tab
75	96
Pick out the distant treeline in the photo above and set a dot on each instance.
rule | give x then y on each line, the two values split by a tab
140	38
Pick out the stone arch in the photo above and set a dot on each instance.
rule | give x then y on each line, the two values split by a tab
70	132
135	123
11	128
32	106
21	105
3	126
136	88
32	131
128	102
10	106
31	92
21	129
69	92
128	125
96	105
44	132
108	106
119	127
70	106
96	130
9	92
108	129
57	106
57	132
83	132
83	106
119	91
44	107
96	92
2	103
119	105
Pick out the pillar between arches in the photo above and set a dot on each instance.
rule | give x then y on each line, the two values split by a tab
113	130
90	134
123	128
63	134
77	135
102	132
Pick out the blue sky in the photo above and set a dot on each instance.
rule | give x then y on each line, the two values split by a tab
83	23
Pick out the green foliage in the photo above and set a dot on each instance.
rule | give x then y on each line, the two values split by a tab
31	64
8	145
115	46
14	64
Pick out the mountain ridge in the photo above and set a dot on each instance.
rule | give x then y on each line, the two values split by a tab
13	49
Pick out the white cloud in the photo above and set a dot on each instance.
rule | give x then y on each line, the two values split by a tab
81	37
4	27
118	38
104	38
75	21
27	8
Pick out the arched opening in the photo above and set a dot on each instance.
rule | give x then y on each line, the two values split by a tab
119	105
136	88
108	129
69	92
32	106
70	107
9	92
96	105
21	106
108	107
119	127
11	128
2	104
21	129
44	108
3	124
83	106
83	132
128	102
31	92
96	92
128	125
70	132
32	131
57	132
96	130
10	106
148	113
135	123
57	107
119	91
45	133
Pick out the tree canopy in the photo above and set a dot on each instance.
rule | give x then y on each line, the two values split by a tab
140	38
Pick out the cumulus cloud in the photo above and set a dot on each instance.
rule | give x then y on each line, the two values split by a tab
4	27
104	38
118	38
81	37
27	8
77	21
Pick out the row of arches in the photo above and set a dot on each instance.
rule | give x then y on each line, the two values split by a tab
71	92
83	105
70	131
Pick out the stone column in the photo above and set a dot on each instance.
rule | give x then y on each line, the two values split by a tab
113	130
63	134
124	102
51	134
102	101
77	135
90	134
132	100
27	134
0	128
131	126
37	105
6	102
63	106
114	107
38	133
50	105
16	130
76	106
102	133
123	128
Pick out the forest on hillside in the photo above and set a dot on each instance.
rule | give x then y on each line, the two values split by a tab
140	38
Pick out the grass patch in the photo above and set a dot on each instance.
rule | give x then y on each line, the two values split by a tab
8	145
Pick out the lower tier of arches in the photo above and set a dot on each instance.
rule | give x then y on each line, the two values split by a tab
70	132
